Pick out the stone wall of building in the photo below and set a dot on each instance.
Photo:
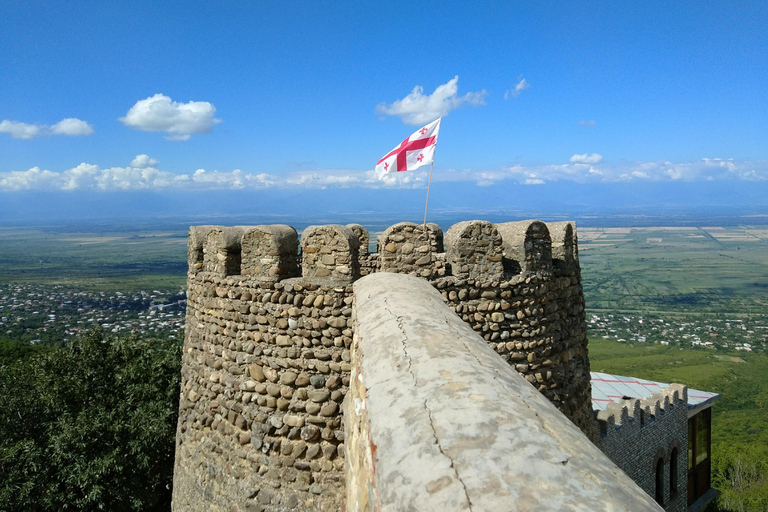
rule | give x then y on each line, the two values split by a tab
637	433
268	336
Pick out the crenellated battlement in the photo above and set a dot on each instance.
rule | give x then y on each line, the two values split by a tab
476	250
527	246
222	252
565	245
330	254
269	252
634	414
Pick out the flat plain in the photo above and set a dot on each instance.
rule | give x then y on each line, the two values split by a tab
681	269
104	261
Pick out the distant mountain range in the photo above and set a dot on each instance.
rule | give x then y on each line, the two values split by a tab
653	203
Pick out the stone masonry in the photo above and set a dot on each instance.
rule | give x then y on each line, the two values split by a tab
268	335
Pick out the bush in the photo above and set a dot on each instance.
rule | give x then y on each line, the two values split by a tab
90	426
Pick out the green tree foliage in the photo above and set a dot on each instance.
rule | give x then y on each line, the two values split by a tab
90	426
12	351
741	475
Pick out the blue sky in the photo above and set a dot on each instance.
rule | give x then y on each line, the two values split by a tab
181	97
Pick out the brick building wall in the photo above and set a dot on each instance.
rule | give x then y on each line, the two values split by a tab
637	434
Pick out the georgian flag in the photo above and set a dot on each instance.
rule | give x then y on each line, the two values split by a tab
412	153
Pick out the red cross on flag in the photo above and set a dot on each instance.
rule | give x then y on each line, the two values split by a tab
412	153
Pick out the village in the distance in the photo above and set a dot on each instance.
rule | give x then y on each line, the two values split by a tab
41	314
45	314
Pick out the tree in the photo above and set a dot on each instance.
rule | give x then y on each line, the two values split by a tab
90	426
740	473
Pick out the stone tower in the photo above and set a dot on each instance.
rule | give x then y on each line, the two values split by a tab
269	329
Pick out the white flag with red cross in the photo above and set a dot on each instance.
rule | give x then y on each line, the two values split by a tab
412	153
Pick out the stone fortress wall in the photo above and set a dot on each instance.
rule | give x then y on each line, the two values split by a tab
269	330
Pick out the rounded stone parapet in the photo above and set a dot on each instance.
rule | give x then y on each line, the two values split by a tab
221	250
362	237
408	248
474	434
565	249
197	236
474	250
527	246
266	360
270	252
330	254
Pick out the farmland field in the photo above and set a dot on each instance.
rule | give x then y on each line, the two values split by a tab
714	269
122	261
682	286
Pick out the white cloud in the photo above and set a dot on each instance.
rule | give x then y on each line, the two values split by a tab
19	130
69	126
521	85
92	177
144	161
417	108
82	176
159	113
706	169
329	178
587	123
131	178
236	179
594	158
34	178
72	126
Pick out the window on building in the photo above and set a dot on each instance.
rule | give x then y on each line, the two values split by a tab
660	481
702	437
699	437
673	473
691	439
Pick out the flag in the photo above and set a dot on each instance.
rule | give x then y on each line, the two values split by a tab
412	153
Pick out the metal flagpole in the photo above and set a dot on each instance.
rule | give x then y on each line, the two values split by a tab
428	185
